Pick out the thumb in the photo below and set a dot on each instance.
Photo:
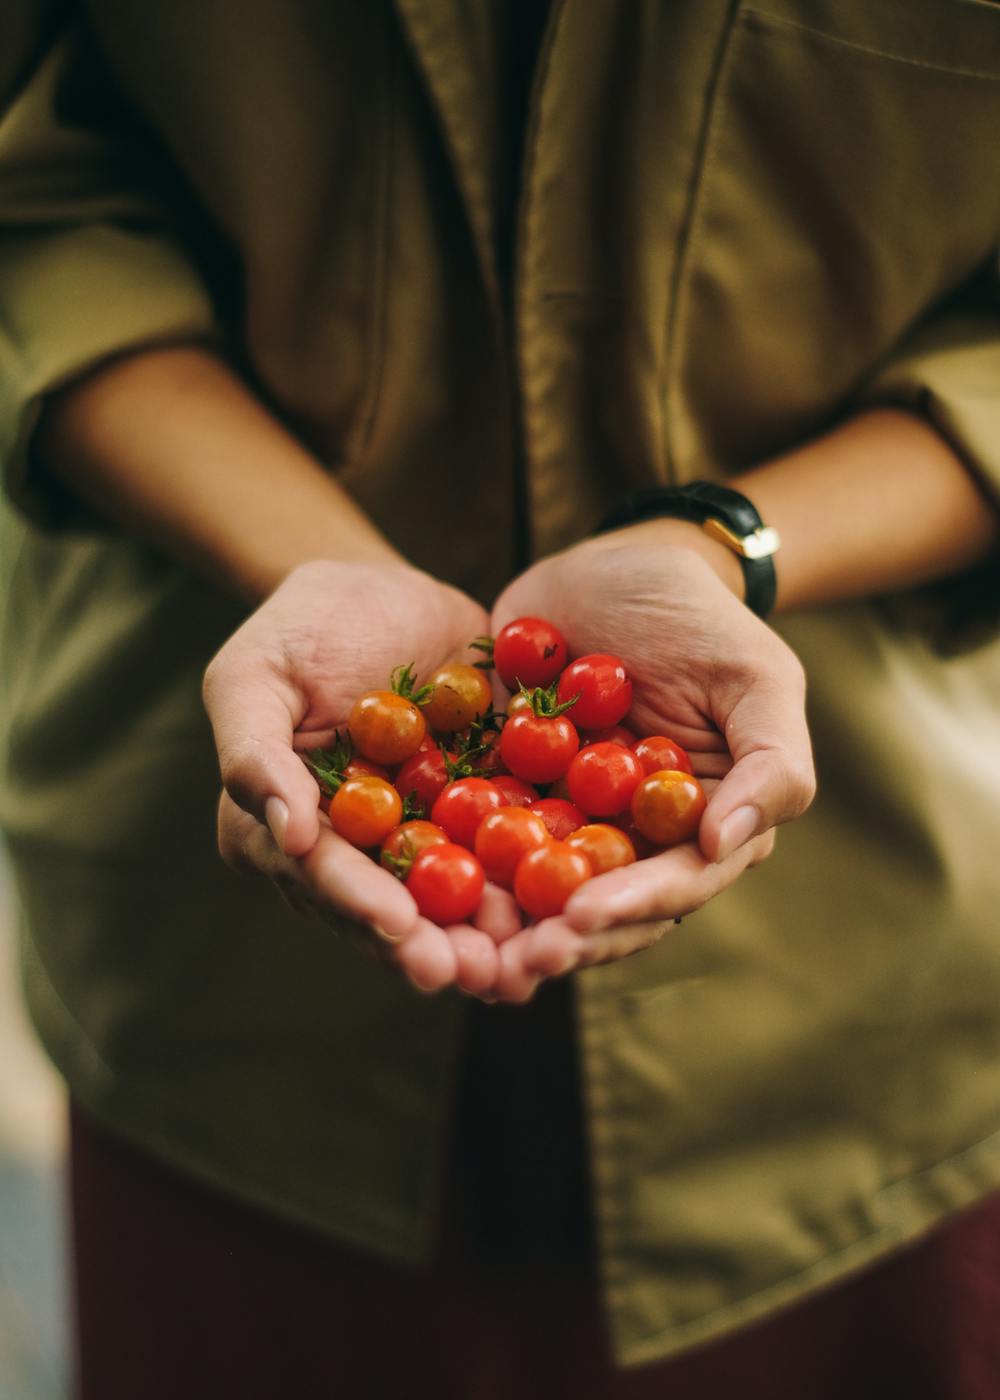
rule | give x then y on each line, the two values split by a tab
253	719
772	779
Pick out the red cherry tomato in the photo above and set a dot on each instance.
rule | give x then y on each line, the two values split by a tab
504	837
447	883
462	806
460	695
424	776
519	794
602	779
406	841
612	734
606	847
667	807
536	748
546	878
529	651
364	810
386	727
657	753
561	817
603	687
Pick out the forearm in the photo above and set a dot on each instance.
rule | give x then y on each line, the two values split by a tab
170	444
879	504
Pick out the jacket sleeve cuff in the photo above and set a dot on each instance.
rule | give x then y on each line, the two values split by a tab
948	372
70	299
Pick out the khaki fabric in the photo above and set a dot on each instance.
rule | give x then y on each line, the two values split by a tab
736	222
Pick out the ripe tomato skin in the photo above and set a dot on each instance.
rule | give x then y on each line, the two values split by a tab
602	779
604	689
461	694
519	793
606	847
667	807
658	754
536	748
504	837
561	817
529	651
447	883
610	734
518	702
545	878
364	810
406	841
386	727
462	805
424	776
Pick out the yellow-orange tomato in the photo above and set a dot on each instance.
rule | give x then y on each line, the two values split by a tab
606	847
503	837
386	727
364	810
518	702
667	807
461	694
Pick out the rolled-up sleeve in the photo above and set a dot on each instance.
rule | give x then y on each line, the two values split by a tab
91	266
948	371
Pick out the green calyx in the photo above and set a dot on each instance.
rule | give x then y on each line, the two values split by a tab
327	765
403	682
485	645
544	700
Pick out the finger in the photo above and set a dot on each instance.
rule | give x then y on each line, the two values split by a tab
554	947
427	957
338	880
772	779
498	913
515	981
253	713
478	961
665	886
349	882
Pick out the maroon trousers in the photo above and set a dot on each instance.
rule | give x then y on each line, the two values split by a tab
184	1292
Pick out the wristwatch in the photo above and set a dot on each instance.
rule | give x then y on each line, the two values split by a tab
725	515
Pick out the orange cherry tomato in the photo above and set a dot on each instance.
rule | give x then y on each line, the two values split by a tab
667	807
518	702
406	841
364	810
503	837
606	847
460	695
386	727
546	877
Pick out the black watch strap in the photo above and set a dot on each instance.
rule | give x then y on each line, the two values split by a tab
724	514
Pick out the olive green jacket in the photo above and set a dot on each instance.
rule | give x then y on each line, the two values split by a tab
736	221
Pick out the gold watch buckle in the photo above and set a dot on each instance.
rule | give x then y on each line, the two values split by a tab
763	542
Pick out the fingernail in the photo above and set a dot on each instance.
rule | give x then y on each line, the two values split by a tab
276	814
384	934
738	827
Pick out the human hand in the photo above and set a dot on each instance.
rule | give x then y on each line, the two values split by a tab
282	684
707	672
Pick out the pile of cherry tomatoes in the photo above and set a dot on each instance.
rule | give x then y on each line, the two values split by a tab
448	793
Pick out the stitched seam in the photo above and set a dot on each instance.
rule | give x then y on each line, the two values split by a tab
862	1247
380	250
710	121
779	22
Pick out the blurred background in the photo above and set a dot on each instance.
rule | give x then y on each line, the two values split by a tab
33	1323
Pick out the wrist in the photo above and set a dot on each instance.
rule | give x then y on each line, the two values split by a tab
669	532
